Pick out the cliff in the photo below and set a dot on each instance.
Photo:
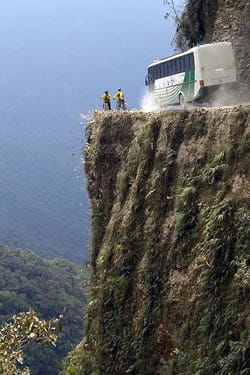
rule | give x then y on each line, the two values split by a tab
232	23
207	21
170	286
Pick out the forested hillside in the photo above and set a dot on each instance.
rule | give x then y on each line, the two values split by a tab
51	288
42	206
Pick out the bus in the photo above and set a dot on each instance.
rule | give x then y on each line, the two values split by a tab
191	76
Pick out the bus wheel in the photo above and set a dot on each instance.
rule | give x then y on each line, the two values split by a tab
182	101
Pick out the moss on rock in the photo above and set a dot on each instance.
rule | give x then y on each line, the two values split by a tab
170	200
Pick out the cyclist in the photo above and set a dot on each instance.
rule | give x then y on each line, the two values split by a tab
120	101
106	101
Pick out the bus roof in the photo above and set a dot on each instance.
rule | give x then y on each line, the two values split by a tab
185	52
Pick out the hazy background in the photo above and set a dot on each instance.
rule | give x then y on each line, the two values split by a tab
57	58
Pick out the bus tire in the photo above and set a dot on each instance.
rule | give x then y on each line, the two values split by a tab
182	101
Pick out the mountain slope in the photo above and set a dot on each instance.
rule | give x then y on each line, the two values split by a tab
51	288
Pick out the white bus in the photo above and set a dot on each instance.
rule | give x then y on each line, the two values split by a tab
190	76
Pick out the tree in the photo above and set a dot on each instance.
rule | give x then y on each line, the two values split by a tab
194	21
175	10
16	335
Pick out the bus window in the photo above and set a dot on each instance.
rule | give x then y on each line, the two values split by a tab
178	65
166	69
163	65
182	64
170	66
158	72
150	72
191	61
174	66
186	63
155	72
182	59
161	70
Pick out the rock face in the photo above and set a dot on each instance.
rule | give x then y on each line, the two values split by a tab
170	286
232	23
207	21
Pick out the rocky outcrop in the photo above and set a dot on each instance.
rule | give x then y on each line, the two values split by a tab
207	21
232	23
170	286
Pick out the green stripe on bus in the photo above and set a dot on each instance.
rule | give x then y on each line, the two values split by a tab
188	85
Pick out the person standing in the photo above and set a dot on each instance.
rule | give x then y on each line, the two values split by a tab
120	100
106	101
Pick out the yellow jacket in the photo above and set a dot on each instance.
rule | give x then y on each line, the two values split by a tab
119	95
106	97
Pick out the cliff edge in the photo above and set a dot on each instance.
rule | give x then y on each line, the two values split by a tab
170	196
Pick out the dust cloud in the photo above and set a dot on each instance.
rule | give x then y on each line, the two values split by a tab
223	96
226	96
148	103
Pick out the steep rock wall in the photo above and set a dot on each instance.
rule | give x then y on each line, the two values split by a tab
170	286
216	21
232	23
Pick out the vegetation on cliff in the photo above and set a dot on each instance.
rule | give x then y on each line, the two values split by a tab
170	200
18	333
200	20
49	287
195	24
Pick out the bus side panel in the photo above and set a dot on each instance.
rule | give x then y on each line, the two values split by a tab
166	90
166	96
170	94
188	85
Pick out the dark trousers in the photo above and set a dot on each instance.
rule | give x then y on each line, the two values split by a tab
107	105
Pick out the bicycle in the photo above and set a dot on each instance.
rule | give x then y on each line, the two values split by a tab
121	105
